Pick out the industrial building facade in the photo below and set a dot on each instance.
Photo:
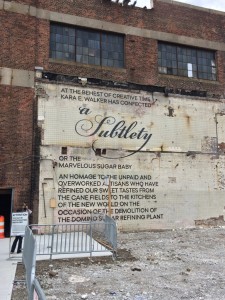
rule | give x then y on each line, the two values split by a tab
103	92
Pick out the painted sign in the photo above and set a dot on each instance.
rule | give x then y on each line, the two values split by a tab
160	155
104	119
19	222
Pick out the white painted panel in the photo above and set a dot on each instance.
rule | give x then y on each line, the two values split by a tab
148	191
177	178
113	119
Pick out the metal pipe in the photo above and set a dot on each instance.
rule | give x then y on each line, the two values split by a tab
43	190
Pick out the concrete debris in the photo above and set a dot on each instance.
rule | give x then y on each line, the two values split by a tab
77	278
176	264
53	273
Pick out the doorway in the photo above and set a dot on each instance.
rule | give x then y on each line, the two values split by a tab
6	208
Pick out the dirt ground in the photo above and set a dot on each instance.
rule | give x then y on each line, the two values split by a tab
178	264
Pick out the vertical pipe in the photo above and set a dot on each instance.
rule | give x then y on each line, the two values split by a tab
43	183
11	210
52	244
90	243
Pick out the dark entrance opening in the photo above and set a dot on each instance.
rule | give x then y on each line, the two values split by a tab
6	208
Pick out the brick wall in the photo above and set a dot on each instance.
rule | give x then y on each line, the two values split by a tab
16	139
165	17
17	41
26	45
140	52
17	49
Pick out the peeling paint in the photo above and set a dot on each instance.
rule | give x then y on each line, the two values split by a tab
209	144
179	169
171	111
221	147
211	222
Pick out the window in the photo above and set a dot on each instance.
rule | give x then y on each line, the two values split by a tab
186	61
86	46
64	150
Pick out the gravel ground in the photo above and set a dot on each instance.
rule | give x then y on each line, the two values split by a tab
179	264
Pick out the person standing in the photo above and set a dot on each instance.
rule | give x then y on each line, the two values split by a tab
19	240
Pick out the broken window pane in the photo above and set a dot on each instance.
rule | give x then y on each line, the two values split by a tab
186	61
86	46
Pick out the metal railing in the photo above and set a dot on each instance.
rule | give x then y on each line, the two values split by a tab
29	261
76	238
88	237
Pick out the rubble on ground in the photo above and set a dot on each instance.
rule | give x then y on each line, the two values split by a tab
170	265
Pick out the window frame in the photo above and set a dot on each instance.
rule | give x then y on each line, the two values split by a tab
184	63
115	58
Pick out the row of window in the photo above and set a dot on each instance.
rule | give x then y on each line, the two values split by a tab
188	62
86	46
107	49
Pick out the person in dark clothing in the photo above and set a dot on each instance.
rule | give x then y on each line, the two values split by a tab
19	238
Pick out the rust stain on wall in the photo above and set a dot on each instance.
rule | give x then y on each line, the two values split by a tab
221	147
188	118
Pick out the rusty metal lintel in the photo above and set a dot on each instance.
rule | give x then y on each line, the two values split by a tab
123	85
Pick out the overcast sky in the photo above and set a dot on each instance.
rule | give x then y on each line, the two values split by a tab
213	4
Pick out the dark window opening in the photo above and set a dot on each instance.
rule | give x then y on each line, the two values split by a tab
6	203
98	152
86	46
186	61
64	150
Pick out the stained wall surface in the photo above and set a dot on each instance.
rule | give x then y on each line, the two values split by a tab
161	154
136	124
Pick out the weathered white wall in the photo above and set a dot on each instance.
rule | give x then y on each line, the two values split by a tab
161	153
